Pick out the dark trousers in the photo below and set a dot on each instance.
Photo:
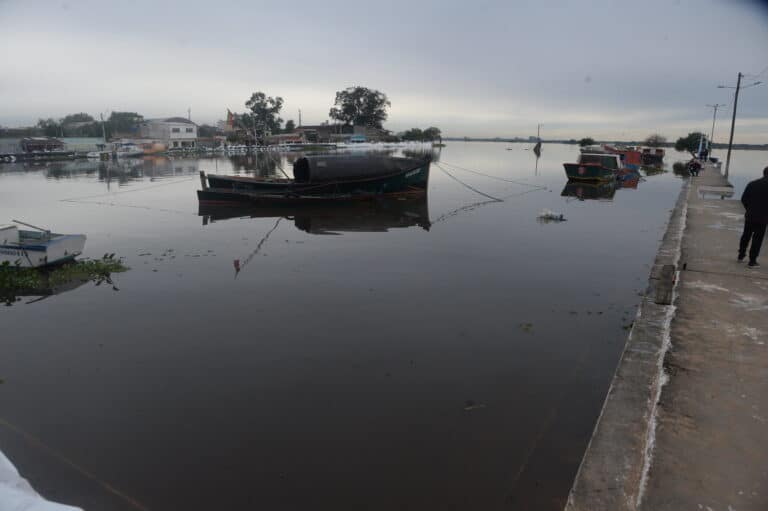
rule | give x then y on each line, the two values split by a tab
752	231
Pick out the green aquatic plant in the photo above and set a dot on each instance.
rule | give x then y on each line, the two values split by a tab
16	281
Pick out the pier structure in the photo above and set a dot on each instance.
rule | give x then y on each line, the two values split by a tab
685	422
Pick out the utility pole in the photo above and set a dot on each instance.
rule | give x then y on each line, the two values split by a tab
733	120
299	117
733	124
103	129
189	113
712	134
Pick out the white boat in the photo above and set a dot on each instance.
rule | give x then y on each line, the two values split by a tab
40	247
128	150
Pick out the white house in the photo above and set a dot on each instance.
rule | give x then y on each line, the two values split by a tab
174	132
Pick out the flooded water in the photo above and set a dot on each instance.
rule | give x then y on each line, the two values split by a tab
446	354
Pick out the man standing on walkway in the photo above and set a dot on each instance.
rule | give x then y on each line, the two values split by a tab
755	200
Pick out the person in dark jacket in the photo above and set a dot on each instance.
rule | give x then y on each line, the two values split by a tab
755	200
694	167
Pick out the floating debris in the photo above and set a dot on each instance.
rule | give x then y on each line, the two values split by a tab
547	215
16	281
526	327
470	405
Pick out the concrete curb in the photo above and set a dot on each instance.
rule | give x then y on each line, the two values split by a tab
612	472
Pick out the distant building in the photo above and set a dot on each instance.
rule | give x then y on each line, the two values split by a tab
83	144
10	145
174	132
341	133
286	138
41	144
317	133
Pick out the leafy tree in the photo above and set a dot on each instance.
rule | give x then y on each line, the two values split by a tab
586	141
689	143
432	133
50	127
290	126
72	118
414	134
655	140
265	112
360	106
206	131
123	122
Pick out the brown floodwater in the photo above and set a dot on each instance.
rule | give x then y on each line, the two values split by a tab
451	353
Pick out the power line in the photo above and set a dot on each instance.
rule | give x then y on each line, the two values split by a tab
758	75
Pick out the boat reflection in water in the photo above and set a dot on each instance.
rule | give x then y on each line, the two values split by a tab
376	215
590	191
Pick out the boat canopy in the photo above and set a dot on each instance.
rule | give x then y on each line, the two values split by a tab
609	161
325	168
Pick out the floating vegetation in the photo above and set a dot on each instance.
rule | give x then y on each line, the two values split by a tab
526	327
16	282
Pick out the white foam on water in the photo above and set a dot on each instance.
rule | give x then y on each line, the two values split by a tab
18	495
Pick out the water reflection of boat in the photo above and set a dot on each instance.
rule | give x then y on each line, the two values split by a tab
379	215
589	191
324	178
629	180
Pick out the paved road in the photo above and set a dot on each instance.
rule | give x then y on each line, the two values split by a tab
711	444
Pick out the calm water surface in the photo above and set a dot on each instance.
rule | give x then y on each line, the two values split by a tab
449	354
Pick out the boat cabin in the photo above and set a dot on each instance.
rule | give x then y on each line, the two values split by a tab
608	161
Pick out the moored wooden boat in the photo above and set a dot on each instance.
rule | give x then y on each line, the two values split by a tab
653	156
33	249
324	178
594	167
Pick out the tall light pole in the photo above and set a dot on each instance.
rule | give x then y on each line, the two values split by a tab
712	135
733	119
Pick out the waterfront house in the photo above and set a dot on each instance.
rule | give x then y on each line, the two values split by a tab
41	144
83	145
174	132
286	138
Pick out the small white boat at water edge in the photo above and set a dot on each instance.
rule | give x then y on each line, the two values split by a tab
128	150
32	249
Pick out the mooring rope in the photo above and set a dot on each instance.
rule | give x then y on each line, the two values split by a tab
490	176
113	204
108	194
474	205
466	185
258	248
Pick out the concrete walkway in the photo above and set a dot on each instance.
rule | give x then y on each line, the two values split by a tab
711	438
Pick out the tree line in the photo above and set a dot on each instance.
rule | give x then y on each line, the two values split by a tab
353	106
80	125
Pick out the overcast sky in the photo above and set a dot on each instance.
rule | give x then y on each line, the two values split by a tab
604	68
